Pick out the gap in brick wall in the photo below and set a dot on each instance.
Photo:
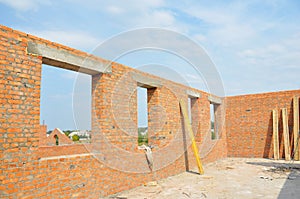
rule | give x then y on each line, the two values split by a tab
142	111
212	121
190	109
65	99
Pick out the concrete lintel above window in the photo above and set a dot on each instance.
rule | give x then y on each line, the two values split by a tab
214	99
193	94
67	60
146	82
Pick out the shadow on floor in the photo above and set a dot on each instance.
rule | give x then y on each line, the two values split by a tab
291	187
277	164
193	172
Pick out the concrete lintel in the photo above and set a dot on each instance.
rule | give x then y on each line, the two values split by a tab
64	59
193	94
146	82
215	100
65	156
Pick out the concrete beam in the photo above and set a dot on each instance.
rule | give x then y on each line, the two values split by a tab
215	100
193	94
146	82
64	59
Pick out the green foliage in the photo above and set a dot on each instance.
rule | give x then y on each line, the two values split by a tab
142	138
213	135
212	126
67	132
75	138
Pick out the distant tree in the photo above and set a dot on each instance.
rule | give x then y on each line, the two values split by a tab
213	135
67	132
142	136
75	138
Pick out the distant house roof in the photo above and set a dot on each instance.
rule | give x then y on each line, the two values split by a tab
57	135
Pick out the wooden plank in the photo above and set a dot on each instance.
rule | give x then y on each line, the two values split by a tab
188	125
286	137
275	134
296	127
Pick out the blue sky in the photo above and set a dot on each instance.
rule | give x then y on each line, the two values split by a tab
255	45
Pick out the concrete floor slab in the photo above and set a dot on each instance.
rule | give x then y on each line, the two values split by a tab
227	179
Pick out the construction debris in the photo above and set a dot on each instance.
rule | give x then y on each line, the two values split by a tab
227	179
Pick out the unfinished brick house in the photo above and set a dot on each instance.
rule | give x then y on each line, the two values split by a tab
112	162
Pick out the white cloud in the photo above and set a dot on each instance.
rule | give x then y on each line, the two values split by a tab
248	44
271	67
115	10
76	39
133	5
224	26
281	54
234	24
243	37
200	37
135	13
128	6
155	18
25	5
269	51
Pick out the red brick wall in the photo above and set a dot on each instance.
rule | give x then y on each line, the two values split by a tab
249	124
43	134
111	163
19	96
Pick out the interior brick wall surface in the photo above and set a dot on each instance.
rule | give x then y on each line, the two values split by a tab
249	123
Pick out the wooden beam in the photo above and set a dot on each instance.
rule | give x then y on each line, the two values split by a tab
188	125
296	127
286	136
275	134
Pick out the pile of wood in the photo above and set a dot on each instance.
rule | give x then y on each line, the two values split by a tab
290	153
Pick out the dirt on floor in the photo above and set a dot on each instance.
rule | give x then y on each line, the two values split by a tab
226	179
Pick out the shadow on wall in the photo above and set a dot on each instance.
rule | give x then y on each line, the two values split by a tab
280	134
269	142
291	128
